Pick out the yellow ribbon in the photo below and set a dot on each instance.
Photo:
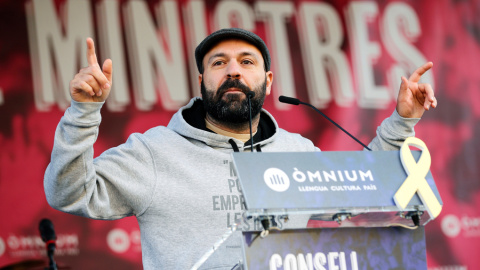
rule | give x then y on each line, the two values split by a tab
416	182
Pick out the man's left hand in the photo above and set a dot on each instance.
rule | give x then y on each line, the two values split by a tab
414	98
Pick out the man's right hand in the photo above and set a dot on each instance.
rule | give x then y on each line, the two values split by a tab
92	84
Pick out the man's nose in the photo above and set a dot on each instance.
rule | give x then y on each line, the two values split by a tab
234	70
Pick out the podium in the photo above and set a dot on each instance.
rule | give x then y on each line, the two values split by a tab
329	210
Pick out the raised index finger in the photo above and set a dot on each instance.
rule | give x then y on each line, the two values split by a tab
415	77
91	56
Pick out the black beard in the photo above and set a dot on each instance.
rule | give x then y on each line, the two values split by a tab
233	110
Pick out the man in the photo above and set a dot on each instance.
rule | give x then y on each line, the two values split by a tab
171	178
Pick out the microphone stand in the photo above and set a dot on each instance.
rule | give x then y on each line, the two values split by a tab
47	233
250	95
52	265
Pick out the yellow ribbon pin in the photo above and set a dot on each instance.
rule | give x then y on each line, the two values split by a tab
416	182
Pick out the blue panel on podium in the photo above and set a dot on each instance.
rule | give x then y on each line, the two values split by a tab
345	248
325	182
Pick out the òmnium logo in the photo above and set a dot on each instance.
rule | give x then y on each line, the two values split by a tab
276	179
465	226
118	240
451	225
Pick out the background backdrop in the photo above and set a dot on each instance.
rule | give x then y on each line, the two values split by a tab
345	57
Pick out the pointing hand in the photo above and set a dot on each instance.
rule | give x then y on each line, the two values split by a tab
92	84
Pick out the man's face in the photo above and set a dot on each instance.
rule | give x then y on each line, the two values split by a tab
231	69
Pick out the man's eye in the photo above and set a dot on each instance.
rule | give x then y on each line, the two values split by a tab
247	62
217	63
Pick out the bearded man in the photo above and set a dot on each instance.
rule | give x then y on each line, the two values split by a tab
175	179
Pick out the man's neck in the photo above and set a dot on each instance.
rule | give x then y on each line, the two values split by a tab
240	128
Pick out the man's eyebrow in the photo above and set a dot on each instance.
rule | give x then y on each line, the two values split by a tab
248	53
220	54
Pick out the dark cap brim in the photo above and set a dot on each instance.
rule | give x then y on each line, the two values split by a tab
230	33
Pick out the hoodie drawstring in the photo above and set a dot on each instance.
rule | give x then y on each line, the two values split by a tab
235	146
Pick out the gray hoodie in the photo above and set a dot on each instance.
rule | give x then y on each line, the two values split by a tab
177	180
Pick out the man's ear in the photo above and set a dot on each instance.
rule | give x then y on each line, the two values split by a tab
269	76
200	78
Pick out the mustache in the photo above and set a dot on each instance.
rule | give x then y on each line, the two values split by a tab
232	83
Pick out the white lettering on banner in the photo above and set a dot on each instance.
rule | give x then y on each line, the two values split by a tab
332	176
312	188
313	176
365	54
340	176
24	242
345	188
278	180
329	176
290	262
332	256
234	14
275	14
449	267
401	18
195	32
135	239
145	43
322	55
157	55
275	261
2	247
111	46
453	226
319	261
336	188
353	260
68	241
352	178
25	246
471	222
305	262
298	175
57	53
13	242
365	175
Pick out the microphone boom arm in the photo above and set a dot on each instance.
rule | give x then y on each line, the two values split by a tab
295	101
337	125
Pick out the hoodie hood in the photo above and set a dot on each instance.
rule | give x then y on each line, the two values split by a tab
189	121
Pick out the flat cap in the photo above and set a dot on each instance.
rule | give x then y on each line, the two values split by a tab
230	33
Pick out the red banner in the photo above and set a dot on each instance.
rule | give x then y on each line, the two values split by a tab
345	57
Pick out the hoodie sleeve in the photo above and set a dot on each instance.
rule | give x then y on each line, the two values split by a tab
118	183
392	132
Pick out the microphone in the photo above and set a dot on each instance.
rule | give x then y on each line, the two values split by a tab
250	95
47	232
48	236
289	100
295	101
